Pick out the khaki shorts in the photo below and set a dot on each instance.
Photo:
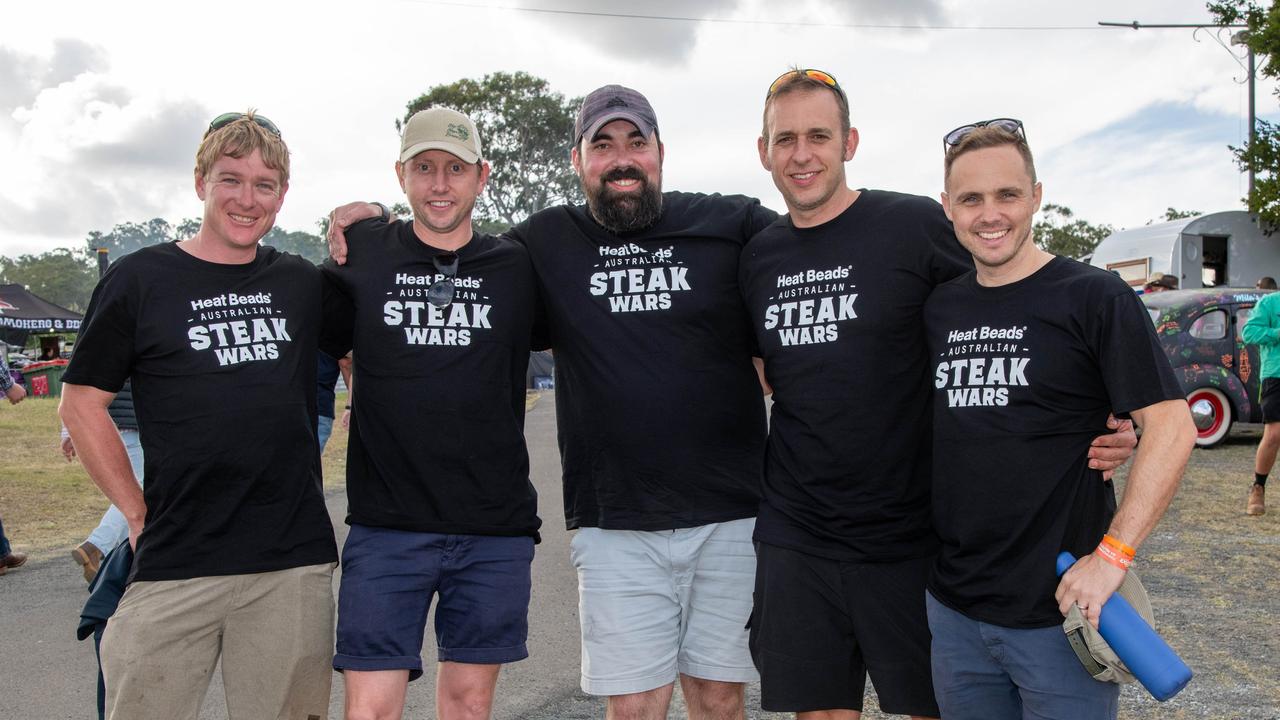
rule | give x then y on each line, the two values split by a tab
657	604
273	631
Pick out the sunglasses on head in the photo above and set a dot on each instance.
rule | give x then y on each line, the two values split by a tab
440	293
226	119
823	77
1009	125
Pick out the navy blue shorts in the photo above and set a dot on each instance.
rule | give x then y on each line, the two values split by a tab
389	577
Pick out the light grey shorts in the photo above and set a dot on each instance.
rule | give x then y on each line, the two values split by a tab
661	603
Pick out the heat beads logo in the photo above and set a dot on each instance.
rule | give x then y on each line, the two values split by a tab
810	320
427	324
985	362
639	280
245	329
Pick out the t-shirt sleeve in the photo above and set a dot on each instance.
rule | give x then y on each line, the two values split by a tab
758	217
105	350
950	259
1135	370
1260	328
338	312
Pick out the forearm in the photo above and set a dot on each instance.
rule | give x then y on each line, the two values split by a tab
1168	437
84	413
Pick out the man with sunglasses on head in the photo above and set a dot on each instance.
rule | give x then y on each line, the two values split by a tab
659	411
440	319
234	552
1028	354
835	291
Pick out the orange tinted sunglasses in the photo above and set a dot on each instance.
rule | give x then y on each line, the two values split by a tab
821	76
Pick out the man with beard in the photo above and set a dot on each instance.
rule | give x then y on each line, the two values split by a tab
660	415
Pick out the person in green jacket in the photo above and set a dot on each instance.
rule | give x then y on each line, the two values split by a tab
1263	329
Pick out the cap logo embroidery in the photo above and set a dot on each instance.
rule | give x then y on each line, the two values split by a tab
616	102
457	131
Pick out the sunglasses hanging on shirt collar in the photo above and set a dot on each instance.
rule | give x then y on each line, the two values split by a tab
440	293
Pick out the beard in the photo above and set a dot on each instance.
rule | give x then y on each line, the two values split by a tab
624	212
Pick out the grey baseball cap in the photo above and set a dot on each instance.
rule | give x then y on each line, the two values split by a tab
441	128
613	102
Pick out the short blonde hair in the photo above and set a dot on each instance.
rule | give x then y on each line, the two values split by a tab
240	138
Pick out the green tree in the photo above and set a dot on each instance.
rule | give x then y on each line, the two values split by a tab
1060	232
129	236
525	131
1262	156
62	276
311	247
1171	214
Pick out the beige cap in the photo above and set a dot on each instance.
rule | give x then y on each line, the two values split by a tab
440	128
1095	654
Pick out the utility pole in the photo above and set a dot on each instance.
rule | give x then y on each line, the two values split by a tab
1236	39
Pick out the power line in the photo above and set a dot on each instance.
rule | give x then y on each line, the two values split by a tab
736	21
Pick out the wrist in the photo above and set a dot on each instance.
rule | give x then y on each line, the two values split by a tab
384	212
1112	556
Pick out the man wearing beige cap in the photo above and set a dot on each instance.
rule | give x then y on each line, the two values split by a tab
659	412
440	504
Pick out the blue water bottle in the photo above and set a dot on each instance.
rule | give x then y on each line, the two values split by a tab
1145	653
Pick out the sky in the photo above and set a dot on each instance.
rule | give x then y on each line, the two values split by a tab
102	105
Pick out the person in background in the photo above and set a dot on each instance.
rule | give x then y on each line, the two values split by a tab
15	393
113	528
1263	329
1160	282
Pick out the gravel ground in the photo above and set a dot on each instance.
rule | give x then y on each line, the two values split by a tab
1213	574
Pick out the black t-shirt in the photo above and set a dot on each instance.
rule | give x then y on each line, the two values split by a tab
437	429
222	360
1023	378
838	314
661	418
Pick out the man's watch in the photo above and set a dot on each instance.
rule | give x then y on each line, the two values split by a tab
386	212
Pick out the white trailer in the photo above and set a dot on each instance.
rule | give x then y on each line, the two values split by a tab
1213	250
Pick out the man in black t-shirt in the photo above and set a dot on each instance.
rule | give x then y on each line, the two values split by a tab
659	412
836	291
440	318
234	549
1029	354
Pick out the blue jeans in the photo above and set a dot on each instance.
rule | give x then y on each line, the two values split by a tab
113	527
323	430
989	672
4	542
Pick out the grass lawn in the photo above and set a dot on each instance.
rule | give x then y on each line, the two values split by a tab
49	505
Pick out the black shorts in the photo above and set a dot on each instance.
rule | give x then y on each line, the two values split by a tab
820	626
1271	399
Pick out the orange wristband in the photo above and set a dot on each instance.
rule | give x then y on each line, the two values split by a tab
1109	554
1119	545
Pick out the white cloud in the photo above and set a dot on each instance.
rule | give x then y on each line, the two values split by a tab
100	115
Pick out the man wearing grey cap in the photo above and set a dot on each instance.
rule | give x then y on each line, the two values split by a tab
659	411
440	319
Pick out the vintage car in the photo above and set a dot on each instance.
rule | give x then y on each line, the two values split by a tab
1200	333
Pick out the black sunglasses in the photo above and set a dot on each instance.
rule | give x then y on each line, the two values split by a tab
440	293
1009	125
226	119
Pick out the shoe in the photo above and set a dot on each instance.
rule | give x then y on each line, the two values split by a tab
12	560
89	557
1257	504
